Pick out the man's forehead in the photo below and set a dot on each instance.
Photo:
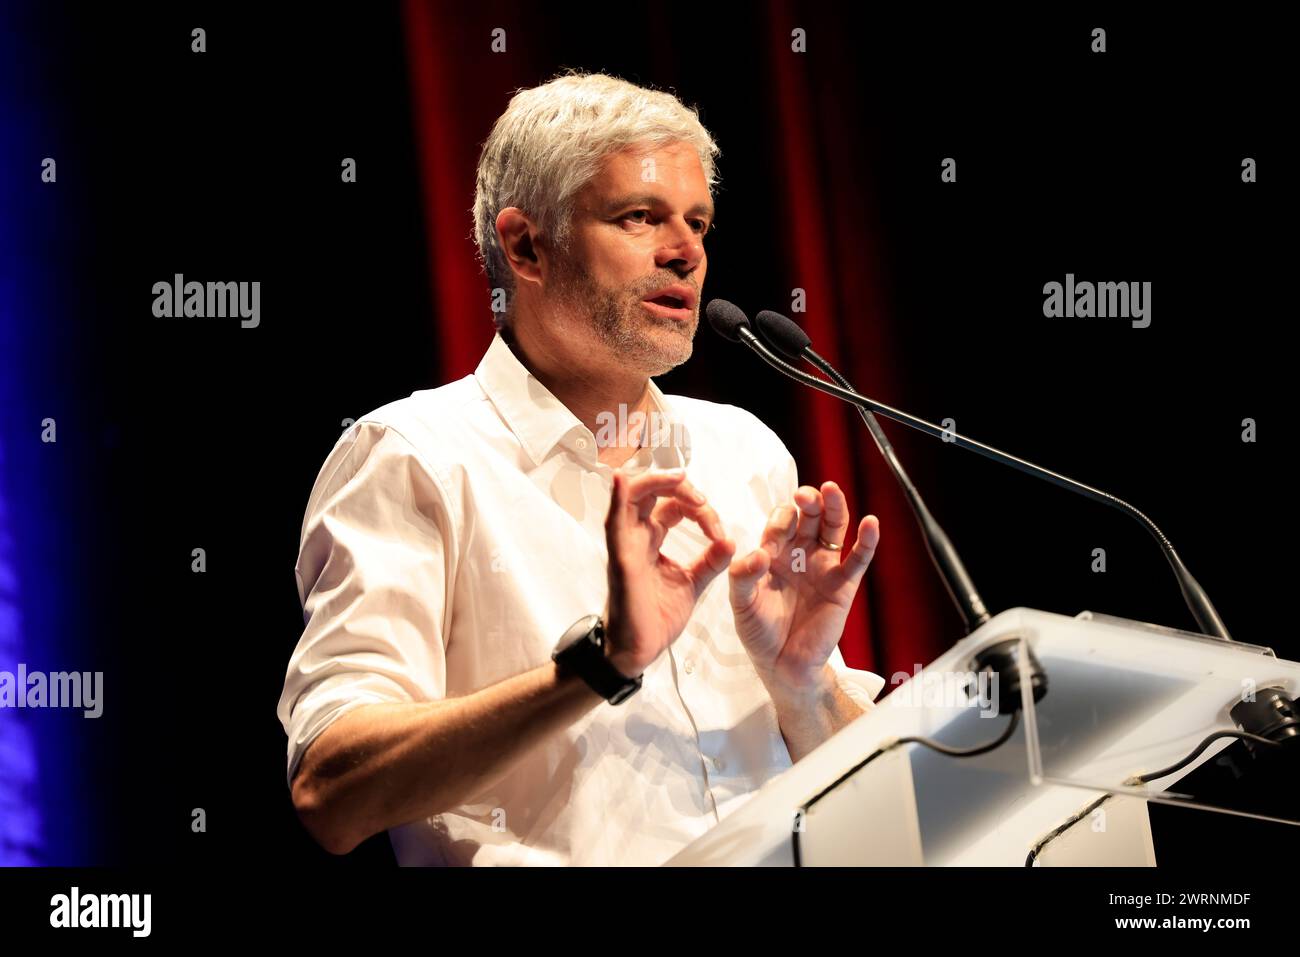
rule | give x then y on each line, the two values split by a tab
677	175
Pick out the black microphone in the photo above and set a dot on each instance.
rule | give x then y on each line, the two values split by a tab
730	322
727	319
792	342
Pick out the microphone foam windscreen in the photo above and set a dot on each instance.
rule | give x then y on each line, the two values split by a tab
726	318
782	334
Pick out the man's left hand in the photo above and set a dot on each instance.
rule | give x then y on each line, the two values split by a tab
791	595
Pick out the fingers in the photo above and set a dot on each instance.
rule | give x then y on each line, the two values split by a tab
687	500
816	514
744	575
708	566
651	482
855	563
626	494
705	517
661	499
617	505
780	529
667	513
835	514
809	501
644	489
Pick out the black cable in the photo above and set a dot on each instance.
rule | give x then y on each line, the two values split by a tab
924	742
966	752
1244	735
1144	779
1057	832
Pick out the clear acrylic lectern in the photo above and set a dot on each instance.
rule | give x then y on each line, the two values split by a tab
1120	700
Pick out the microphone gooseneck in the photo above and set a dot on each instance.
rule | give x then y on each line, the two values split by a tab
791	341
735	326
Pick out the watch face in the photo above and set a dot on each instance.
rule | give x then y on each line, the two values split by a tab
578	631
582	651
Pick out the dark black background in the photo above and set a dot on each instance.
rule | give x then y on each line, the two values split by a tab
178	435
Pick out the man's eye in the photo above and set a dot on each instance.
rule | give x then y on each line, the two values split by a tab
637	212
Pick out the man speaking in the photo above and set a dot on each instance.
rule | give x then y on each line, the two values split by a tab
518	647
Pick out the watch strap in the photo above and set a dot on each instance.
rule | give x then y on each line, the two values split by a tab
582	652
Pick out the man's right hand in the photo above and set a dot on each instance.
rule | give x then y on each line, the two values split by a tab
651	597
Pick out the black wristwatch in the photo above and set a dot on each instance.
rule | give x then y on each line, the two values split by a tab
582	652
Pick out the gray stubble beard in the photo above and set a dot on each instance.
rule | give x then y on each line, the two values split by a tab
620	323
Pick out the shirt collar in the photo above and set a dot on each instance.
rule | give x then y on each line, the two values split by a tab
541	421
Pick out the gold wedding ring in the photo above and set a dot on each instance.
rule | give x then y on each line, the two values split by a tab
825	544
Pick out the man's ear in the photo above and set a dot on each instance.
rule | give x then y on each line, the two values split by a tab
517	235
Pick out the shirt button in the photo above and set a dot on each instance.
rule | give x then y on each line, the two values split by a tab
581	443
688	665
720	764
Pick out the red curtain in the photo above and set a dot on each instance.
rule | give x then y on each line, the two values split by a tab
903	617
452	117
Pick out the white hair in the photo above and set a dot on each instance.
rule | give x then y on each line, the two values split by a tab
549	143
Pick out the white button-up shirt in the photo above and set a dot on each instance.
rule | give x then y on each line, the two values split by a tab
454	536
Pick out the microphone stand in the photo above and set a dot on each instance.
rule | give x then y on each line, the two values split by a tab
1202	609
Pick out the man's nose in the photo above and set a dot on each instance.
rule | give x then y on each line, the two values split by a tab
682	246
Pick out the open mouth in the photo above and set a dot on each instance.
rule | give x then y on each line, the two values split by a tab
670	302
675	302
668	307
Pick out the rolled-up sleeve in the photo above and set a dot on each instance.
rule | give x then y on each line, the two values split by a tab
373	573
862	686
